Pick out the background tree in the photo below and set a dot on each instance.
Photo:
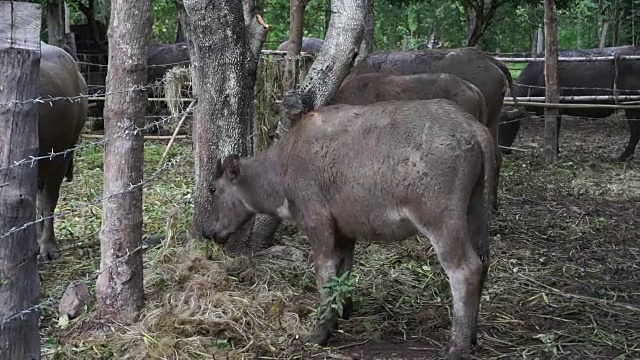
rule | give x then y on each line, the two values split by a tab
119	287
223	87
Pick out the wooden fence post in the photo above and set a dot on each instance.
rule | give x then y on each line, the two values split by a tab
119	288
55	22
19	82
552	95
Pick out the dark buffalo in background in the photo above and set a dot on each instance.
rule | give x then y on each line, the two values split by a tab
370	88
59	127
92	48
162	58
310	45
90	39
489	75
592	78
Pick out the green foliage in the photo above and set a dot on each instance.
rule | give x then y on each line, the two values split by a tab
410	23
335	292
165	21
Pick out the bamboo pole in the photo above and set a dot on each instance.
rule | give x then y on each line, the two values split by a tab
570	59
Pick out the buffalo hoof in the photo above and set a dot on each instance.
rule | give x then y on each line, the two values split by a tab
48	255
320	337
347	309
623	157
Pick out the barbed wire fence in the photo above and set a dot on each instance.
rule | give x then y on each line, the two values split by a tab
267	90
266	100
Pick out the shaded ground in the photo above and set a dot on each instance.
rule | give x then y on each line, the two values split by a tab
563	279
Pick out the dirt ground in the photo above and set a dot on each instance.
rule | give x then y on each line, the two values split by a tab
563	281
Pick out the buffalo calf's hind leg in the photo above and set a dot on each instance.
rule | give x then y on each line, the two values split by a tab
346	246
478	218
450	239
47	201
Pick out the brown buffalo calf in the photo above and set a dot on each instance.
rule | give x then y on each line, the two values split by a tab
381	172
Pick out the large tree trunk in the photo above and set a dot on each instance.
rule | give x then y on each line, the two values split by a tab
225	50
119	288
19	281
333	63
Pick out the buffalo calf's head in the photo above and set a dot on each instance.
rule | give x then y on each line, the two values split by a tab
229	209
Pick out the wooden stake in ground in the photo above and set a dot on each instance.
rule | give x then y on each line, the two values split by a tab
551	79
119	288
55	22
19	83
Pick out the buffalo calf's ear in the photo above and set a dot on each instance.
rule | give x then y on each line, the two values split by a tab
231	165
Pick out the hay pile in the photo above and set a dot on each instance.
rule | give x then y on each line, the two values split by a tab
268	93
204	304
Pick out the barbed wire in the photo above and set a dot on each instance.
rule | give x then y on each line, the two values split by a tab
94	202
268	53
32	160
155	175
178	63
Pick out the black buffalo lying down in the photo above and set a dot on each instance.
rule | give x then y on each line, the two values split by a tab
580	79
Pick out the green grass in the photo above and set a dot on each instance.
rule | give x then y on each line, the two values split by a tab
515	69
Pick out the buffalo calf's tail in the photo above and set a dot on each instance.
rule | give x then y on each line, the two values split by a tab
489	160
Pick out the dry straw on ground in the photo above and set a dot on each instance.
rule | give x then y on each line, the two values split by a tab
268	91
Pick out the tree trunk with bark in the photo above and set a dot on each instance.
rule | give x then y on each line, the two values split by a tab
55	22
331	66
119	288
19	280
296	27
551	80
225	49
340	49
603	35
368	40
479	17
218	124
